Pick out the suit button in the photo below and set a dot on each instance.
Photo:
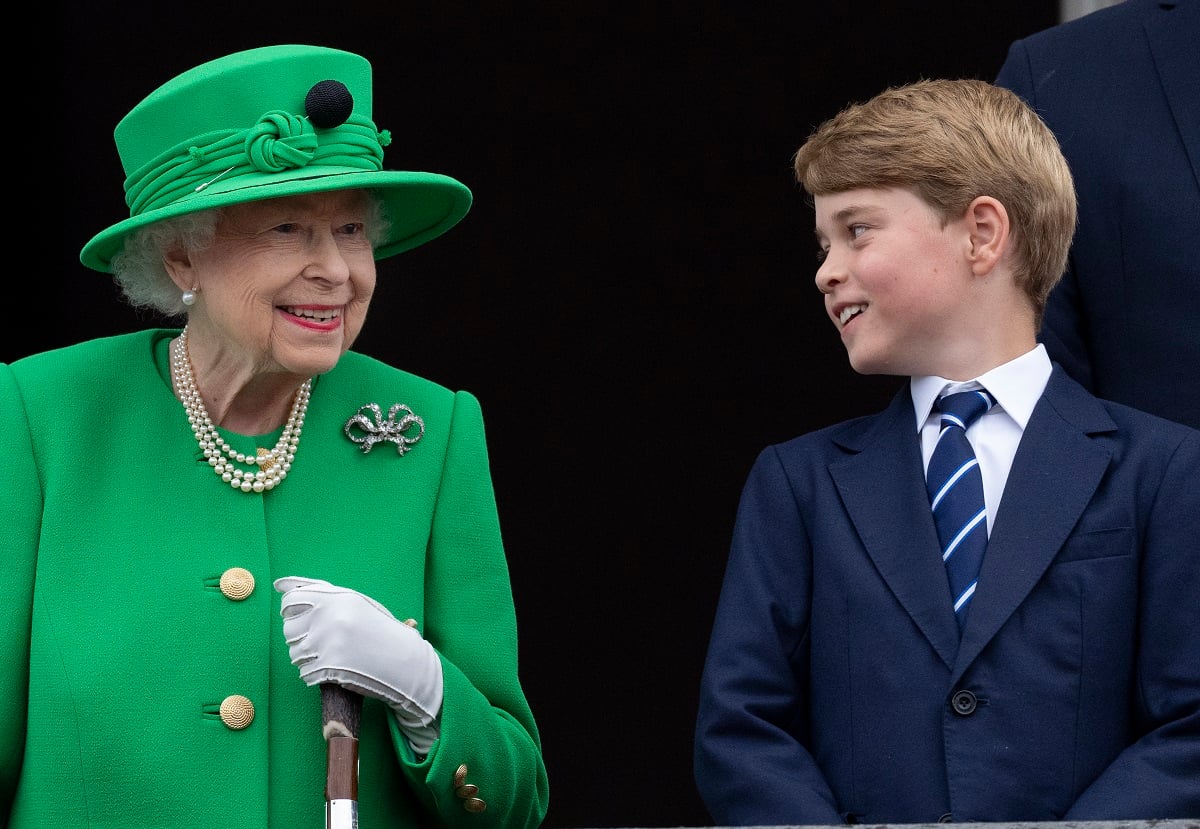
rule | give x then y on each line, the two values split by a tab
474	805
237	712
237	583
963	703
946	818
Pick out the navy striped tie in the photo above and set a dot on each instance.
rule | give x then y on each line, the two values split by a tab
956	495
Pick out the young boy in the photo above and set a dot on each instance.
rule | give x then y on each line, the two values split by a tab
854	673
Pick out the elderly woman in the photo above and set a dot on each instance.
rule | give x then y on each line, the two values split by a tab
188	566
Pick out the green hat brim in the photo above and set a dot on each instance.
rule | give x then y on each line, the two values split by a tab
419	206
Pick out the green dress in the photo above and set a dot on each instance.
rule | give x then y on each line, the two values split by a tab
120	644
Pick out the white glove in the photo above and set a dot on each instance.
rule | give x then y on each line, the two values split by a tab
338	635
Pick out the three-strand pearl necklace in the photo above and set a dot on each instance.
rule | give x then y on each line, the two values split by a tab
268	467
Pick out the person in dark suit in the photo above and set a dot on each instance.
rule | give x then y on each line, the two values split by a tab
849	676
1119	87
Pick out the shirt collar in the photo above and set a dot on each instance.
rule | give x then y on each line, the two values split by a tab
1017	385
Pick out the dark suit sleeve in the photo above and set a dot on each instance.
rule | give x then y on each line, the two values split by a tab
752	766
1158	775
1064	330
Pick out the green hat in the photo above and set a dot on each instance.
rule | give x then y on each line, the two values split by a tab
268	122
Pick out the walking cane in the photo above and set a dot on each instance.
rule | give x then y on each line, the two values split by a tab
340	713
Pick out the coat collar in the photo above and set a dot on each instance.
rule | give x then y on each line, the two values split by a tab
881	483
1054	475
1171	34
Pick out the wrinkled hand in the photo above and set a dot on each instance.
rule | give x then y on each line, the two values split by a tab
338	635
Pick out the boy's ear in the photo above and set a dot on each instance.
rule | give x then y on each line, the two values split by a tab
988	227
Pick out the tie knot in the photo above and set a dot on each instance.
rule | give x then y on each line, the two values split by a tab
963	408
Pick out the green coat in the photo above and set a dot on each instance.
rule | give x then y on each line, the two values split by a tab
118	646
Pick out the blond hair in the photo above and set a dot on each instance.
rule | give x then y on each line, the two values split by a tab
951	141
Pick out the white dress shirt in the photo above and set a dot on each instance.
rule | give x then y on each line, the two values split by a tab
1016	386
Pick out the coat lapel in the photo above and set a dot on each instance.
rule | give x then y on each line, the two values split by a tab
882	486
1054	475
1172	36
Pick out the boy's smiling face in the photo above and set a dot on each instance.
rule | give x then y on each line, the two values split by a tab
896	281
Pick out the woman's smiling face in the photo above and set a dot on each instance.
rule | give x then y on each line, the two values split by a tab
286	283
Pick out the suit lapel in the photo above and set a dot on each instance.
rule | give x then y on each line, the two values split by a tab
883	489
1172	36
1054	475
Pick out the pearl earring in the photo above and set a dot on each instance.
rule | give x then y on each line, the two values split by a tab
188	297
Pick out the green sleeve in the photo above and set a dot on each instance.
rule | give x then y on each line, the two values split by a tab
20	508
486	723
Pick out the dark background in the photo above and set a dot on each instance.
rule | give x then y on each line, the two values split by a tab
631	296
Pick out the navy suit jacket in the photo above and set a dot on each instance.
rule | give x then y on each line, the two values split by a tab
836	687
1121	89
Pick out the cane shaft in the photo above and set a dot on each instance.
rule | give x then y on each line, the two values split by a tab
340	712
341	770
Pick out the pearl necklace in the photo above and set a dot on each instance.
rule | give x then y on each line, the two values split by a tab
273	464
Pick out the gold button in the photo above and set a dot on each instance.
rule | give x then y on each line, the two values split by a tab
474	805
237	583
237	712
460	776
467	790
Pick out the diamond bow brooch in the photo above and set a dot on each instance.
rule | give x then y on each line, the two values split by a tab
367	432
